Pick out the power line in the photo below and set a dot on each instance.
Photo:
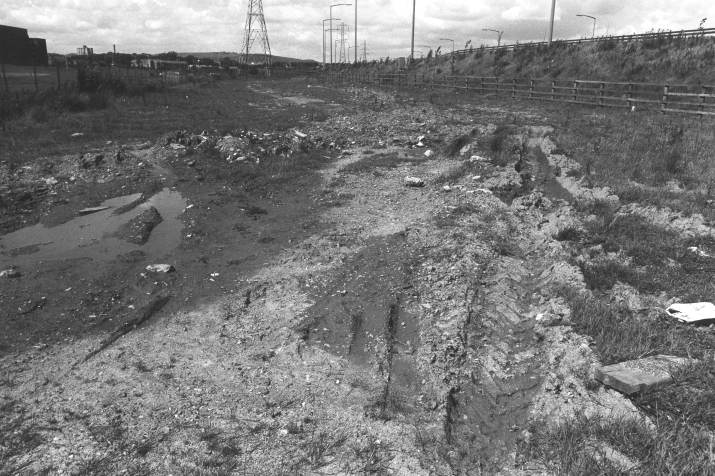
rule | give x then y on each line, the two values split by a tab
255	30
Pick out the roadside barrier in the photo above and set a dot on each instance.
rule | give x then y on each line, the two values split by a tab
667	98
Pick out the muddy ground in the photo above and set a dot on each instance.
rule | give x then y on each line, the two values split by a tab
319	317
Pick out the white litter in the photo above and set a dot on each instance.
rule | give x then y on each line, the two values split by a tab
429	154
698	312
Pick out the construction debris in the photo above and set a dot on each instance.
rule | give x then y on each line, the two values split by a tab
160	268
695	313
642	375
414	182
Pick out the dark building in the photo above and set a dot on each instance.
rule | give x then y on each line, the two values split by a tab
16	47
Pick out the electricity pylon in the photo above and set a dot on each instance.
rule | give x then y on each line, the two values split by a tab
255	30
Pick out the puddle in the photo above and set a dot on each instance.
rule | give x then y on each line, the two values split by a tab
544	176
359	310
91	236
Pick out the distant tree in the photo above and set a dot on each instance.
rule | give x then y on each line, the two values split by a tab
190	59
227	62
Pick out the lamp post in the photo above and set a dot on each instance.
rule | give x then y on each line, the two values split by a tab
594	22
331	26
412	50
449	39
327	19
551	25
498	32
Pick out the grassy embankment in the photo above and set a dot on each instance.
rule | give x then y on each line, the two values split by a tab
665	162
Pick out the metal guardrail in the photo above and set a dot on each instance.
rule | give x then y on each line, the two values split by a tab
680	98
661	35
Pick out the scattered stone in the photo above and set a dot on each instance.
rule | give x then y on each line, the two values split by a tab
429	153
697	251
642	375
414	182
447	188
51	181
90	210
695	313
77	134
477	177
90	160
476	158
160	268
300	135
32	305
10	273
138	229
465	150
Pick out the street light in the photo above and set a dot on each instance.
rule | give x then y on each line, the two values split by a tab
412	51
327	19
551	26
499	35
331	26
449	39
594	23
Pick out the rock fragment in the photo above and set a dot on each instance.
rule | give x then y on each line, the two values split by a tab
414	182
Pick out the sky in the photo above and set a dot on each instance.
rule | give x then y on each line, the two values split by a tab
294	27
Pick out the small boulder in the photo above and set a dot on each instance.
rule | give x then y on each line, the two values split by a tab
160	268
414	182
10	273
138	229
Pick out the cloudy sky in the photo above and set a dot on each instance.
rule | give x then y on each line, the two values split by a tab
294	27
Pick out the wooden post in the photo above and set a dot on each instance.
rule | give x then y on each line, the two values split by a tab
481	84
466	86
553	90
513	88
630	95
34	74
4	78
531	89
575	91
665	98
601	93
701	108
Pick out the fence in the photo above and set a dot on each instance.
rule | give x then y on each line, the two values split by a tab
660	35
670	98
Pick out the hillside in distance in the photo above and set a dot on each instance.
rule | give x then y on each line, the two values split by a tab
232	55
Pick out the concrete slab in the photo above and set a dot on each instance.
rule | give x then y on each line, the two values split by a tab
640	375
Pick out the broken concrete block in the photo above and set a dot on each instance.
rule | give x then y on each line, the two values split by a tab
695	313
414	182
160	268
640	375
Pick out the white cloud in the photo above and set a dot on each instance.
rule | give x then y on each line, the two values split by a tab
295	28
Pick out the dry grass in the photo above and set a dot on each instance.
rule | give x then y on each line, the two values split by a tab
584	446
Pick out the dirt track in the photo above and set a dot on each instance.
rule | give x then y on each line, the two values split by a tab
332	321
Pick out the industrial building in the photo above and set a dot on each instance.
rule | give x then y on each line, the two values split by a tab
85	51
159	64
16	47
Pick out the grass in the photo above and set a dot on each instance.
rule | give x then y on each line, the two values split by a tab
621	334
657	261
221	107
584	446
650	149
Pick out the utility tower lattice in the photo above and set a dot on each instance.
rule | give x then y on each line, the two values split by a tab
255	30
